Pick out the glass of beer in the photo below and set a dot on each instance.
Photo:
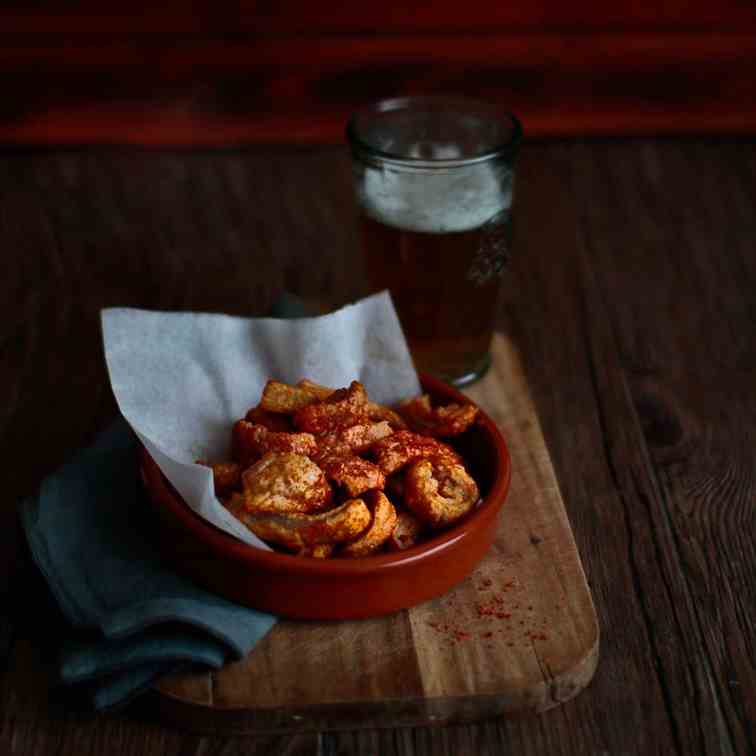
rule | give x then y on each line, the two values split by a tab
434	178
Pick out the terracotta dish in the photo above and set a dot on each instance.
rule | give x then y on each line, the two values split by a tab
307	588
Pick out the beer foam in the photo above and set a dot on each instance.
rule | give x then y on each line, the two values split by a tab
438	201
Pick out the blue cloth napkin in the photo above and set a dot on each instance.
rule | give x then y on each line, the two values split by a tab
89	533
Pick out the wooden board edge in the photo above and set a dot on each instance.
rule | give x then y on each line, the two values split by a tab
565	686
389	713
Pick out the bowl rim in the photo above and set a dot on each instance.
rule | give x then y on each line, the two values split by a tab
162	493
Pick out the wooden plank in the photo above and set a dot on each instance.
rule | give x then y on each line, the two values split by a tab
210	91
687	485
519	635
305	17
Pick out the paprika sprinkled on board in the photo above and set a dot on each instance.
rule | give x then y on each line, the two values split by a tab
492	617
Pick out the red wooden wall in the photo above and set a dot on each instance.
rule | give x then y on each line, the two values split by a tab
217	73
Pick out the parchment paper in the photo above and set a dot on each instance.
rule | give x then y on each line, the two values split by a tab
181	380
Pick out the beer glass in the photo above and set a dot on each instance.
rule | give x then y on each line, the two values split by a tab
434	178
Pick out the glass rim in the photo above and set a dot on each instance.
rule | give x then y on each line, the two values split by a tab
505	149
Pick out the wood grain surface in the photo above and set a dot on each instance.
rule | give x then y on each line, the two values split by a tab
632	297
517	636
293	71
169	18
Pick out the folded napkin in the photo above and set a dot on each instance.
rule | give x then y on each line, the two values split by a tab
89	533
88	530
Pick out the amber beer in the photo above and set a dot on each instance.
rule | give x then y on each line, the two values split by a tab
434	178
444	286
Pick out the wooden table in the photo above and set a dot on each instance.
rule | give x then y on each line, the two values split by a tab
632	297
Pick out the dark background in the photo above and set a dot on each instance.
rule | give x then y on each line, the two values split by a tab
221	73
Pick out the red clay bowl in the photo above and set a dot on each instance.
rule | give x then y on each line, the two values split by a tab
330	589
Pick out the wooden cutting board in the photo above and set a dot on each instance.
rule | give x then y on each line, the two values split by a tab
518	635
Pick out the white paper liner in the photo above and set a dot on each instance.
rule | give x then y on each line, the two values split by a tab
182	380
